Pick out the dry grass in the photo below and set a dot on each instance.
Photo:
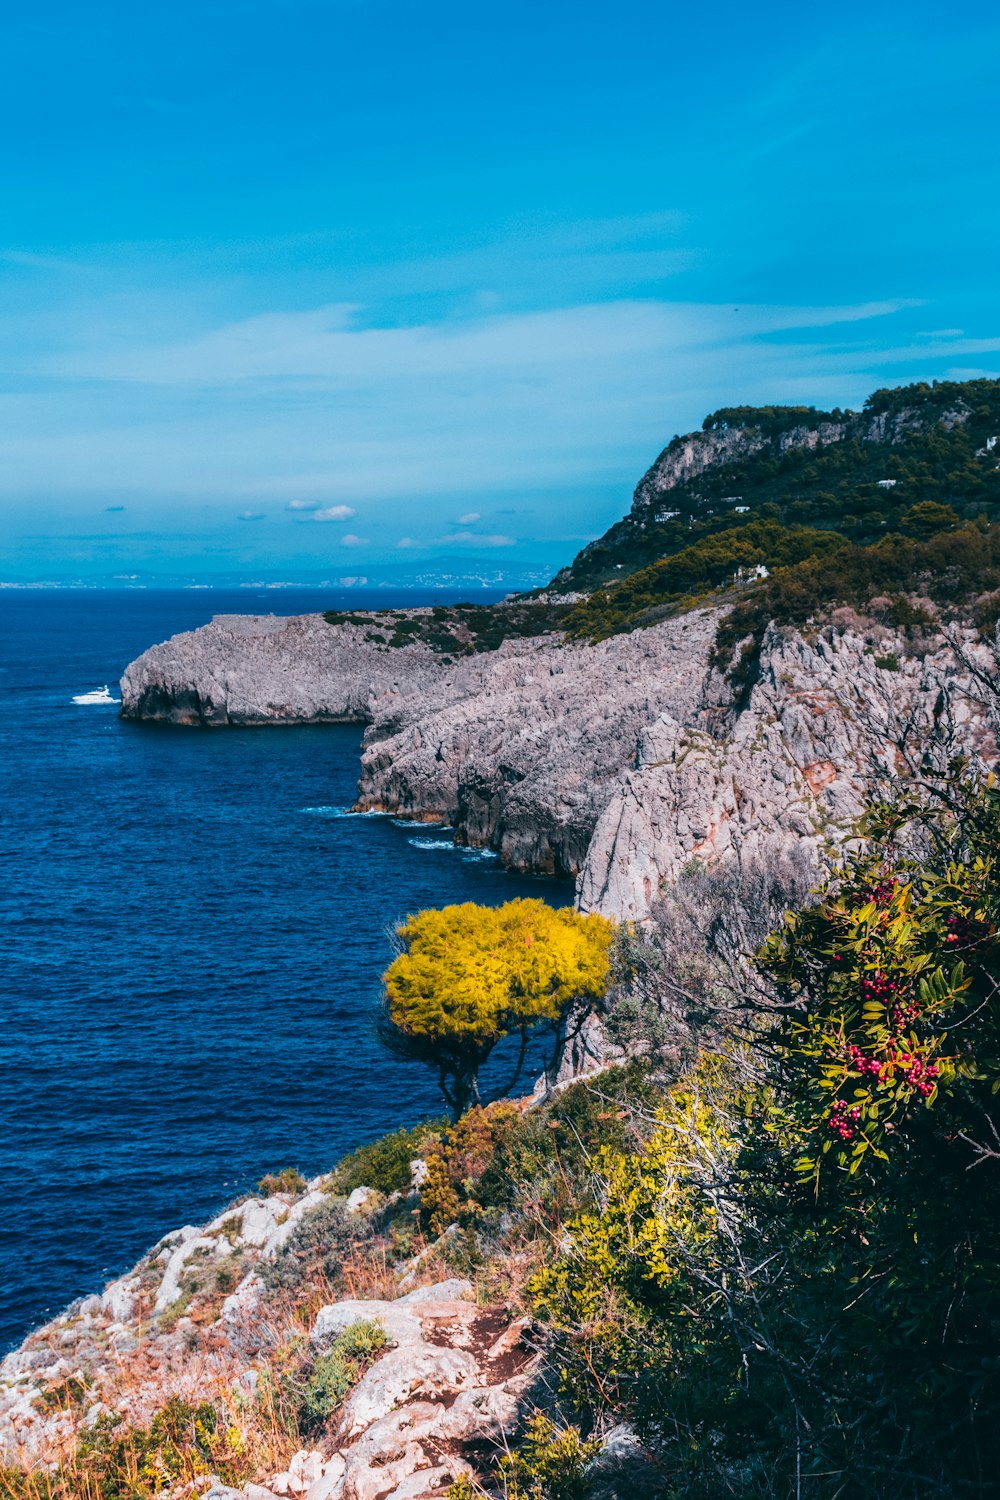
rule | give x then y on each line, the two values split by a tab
187	1363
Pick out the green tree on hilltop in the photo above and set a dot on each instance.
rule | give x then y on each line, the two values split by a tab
470	975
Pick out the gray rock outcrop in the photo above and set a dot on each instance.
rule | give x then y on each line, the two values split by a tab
452	1379
828	720
519	749
618	762
265	669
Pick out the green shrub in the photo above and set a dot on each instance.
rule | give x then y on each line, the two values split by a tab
288	1180
500	1161
677	582
792	1286
384	1164
182	1441
335	1372
318	1246
549	1463
457	629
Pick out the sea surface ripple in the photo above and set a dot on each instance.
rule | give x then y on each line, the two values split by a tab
192	935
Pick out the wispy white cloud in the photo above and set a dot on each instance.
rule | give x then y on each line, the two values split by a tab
474	539
462	538
251	515
333	513
558	409
32	261
350	540
332	344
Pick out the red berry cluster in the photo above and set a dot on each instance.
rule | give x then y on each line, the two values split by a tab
878	986
881	893
964	931
862	1063
902	1015
843	1120
920	1074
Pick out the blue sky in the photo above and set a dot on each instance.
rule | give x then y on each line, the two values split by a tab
300	291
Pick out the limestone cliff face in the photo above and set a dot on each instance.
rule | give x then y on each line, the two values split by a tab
618	762
824	725
263	669
686	457
520	749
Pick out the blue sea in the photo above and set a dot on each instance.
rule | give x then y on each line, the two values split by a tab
191	935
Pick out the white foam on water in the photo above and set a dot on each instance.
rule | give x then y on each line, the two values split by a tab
467	854
328	811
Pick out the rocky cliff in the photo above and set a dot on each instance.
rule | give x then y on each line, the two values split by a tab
520	749
617	762
830	720
264	669
222	1351
686	457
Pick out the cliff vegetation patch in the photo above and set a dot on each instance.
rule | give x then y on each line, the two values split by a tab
856	473
457	629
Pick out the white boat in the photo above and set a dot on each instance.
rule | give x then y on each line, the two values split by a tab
99	695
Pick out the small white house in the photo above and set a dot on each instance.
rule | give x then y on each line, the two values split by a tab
887	484
750	575
666	515
740	510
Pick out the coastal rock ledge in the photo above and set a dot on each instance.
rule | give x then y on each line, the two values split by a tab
618	762
225	1312
517	748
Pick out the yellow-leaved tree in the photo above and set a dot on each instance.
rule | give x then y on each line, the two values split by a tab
470	975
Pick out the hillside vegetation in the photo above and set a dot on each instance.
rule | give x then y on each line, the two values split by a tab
781	508
862	476
768	1243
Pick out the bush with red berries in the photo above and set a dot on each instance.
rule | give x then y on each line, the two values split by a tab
883	986
794	1287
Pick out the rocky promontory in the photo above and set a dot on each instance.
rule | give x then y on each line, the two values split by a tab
617	762
244	670
287	1350
445	1377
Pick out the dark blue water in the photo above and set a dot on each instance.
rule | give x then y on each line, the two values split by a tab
191	940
